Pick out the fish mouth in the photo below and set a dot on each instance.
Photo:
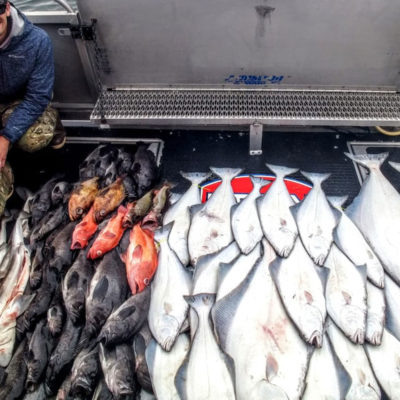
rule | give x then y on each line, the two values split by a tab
81	387
358	337
76	246
127	224
316	339
30	384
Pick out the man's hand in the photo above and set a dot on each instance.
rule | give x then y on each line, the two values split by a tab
4	144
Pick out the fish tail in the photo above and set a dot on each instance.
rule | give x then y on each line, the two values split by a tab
395	165
315	177
337	201
281	171
198	301
258	182
164	232
195	177
369	160
226	173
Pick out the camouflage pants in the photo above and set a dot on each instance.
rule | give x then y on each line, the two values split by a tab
39	134
37	137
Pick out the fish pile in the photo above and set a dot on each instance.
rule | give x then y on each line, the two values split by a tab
262	299
286	301
74	281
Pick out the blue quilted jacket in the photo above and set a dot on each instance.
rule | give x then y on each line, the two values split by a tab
26	72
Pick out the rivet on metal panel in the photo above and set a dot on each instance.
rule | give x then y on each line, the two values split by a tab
256	131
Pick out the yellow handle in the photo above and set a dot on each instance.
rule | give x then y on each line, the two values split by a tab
388	133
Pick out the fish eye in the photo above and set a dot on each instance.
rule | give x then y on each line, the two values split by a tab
146	281
79	210
99	252
102	212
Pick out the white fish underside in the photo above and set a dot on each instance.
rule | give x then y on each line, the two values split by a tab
168	309
302	292
316	221
163	366
206	275
355	362
392	297
246	226
179	213
376	212
375	315
351	241
238	272
323	380
270	357
210	228
346	298
204	382
385	361
17	277
276	219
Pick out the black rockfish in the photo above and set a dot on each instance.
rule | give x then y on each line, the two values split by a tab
144	169
84	372
124	322
62	356
108	290
16	373
75	286
39	349
61	256
118	369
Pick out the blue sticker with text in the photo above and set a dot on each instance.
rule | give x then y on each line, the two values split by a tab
254	79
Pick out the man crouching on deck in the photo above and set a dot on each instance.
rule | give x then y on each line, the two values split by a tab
26	86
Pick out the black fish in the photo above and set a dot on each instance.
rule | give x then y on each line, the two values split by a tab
84	372
117	364
144	169
64	393
131	188
60	192
124	242
110	174
104	162
125	161
41	202
33	237
39	349
141	341
75	286
62	356
55	318
127	320
16	372
36	272
108	290
42	300
60	254
59	217
102	392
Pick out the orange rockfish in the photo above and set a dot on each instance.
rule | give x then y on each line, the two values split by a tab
109	236
108	200
84	231
140	258
82	197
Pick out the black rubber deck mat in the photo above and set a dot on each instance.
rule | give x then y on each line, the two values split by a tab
316	151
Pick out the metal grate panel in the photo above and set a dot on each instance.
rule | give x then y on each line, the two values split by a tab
208	106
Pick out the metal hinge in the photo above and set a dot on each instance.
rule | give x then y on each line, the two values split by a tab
256	132
84	31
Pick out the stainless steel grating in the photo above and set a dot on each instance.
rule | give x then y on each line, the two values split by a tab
210	106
